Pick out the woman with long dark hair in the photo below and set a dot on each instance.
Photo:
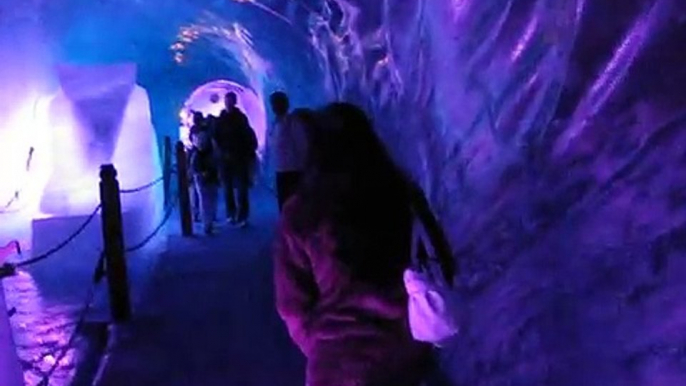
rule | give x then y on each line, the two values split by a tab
343	244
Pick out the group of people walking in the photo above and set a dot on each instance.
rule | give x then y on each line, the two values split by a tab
223	153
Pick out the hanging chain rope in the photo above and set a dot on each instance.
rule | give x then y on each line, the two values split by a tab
143	187
98	274
168	173
167	215
14	198
61	245
17	193
9	269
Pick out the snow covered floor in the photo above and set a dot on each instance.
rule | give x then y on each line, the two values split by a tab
207	316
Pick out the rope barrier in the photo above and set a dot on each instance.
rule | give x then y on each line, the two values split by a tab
61	245
6	209
149	185
143	187
14	198
173	170
17	193
154	233
9	269
97	277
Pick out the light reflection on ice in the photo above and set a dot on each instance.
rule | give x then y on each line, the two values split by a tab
41	331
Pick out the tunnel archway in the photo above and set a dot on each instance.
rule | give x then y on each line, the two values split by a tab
209	100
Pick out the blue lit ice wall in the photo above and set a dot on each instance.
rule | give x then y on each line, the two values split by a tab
549	136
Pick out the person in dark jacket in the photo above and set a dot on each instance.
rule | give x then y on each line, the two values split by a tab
342	246
205	177
237	145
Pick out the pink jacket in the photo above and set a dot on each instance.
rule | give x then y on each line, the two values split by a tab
353	331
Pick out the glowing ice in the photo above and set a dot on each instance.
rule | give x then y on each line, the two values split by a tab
100	116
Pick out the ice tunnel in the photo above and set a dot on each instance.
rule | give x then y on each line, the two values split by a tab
548	136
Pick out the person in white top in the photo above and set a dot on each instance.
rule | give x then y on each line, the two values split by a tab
289	148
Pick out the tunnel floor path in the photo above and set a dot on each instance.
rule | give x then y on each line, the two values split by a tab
208	316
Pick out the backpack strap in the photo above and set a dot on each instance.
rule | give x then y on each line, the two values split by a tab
437	256
422	247
416	262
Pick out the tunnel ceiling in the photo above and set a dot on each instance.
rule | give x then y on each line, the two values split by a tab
110	31
180	45
548	135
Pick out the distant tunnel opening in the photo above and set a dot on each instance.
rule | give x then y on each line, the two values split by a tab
209	100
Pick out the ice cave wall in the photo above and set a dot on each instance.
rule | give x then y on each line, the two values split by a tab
549	136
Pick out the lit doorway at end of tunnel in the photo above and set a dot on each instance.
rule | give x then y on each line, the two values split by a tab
209	100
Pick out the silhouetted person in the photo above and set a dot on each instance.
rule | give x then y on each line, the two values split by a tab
199	124
343	242
288	147
205	177
237	145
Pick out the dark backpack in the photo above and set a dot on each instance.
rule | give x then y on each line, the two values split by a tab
234	136
203	165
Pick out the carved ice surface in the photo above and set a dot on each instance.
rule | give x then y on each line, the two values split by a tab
100	116
97	116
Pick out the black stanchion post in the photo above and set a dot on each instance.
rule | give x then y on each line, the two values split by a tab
184	195
167	169
113	242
